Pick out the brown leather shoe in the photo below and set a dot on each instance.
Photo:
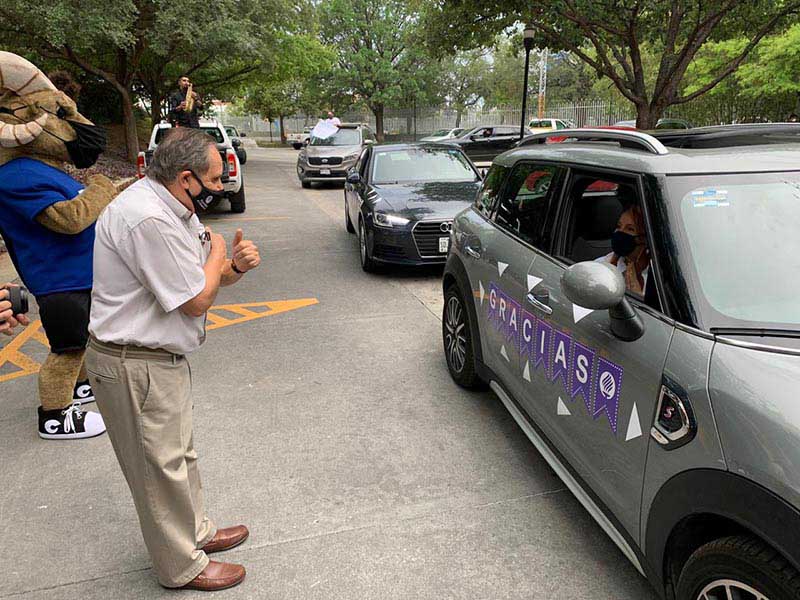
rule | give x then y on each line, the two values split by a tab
217	576
227	538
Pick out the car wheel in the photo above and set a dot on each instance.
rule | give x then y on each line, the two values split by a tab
367	263
238	204
297	146
741	567
458	336
305	184
347	222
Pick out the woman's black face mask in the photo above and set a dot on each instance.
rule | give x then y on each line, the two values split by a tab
89	142
623	243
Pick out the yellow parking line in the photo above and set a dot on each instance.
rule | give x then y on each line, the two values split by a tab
12	353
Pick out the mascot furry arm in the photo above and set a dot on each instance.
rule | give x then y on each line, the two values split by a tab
34	119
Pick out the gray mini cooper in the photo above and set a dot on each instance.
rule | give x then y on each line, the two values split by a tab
617	292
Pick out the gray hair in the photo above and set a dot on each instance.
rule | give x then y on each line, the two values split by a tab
182	149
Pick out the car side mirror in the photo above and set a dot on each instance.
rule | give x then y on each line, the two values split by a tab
307	142
599	286
354	178
242	134
236	142
369	142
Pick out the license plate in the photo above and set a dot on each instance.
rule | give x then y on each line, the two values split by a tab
444	244
324	171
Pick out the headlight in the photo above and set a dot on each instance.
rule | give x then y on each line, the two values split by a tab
352	156
382	219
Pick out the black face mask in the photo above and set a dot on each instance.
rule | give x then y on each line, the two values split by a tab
623	243
203	199
89	143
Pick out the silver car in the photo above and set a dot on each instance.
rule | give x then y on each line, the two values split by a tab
329	159
634	303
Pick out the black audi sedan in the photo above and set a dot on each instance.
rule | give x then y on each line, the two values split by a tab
401	200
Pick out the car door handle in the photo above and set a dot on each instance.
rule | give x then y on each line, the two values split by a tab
540	301
471	251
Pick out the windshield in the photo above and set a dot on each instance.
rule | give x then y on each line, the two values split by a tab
440	132
742	233
421	164
214	132
343	137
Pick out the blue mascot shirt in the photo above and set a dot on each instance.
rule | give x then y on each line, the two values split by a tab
47	261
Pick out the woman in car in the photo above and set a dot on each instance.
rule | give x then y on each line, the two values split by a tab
630	253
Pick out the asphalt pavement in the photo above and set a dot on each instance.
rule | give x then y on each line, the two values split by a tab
326	421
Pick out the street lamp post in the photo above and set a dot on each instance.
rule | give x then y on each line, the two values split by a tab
527	39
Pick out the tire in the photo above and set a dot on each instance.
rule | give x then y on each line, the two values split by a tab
242	154
305	184
745	564
458	337
369	265
238	204
347	222
297	146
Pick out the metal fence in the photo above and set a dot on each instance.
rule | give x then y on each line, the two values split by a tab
412	123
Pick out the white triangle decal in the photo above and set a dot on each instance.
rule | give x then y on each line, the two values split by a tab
483	292
501	267
634	426
578	312
526	372
503	352
562	409
533	281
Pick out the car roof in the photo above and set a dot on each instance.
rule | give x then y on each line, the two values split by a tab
406	145
749	157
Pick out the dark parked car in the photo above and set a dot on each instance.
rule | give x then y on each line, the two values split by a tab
236	140
665	123
483	143
641	340
401	198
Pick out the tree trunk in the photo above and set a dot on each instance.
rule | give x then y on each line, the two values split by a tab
458	118
155	109
129	122
283	129
377	110
647	116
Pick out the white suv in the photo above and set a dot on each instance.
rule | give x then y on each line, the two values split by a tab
232	176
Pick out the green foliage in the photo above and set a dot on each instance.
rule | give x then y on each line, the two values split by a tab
613	37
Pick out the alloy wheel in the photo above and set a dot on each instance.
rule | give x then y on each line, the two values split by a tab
455	340
729	589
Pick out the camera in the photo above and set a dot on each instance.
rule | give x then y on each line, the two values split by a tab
18	296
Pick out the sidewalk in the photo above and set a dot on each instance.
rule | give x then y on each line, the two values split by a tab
7	271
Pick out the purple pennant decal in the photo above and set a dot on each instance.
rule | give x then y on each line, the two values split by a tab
512	329
527	336
607	390
491	306
541	351
562	344
581	369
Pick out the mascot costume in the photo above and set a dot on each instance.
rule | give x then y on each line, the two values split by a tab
47	221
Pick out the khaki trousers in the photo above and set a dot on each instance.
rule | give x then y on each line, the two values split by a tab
145	398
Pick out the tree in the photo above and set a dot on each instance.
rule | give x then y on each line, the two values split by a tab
610	37
142	41
465	80
376	63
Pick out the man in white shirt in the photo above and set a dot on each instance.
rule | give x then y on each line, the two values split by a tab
157	270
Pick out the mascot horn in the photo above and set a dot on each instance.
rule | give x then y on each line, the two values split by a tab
47	221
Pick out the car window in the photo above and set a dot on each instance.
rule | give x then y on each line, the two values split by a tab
561	125
536	124
498	131
526	201
594	208
490	189
421	164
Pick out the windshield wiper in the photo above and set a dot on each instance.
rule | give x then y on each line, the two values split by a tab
756	331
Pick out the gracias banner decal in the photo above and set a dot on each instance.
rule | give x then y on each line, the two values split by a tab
578	367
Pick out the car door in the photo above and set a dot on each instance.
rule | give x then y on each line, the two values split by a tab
518	225
352	192
478	148
596	393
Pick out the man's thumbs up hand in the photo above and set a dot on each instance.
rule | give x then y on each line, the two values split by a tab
245	253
